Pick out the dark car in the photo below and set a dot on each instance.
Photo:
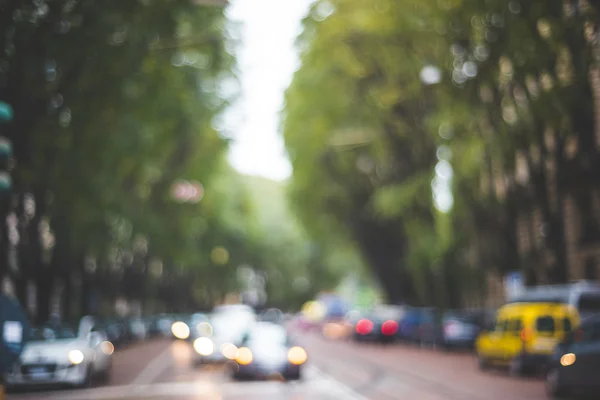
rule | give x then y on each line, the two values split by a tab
379	324
266	352
408	325
575	364
461	328
430	327
421	325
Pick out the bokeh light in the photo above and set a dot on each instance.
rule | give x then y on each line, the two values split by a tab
219	256
180	330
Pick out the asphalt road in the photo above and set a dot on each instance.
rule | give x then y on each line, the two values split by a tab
162	369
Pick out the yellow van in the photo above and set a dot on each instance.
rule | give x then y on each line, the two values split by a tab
525	335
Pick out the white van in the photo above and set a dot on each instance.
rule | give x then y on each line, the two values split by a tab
584	295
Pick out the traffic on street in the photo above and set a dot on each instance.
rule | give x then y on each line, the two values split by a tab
235	352
164	368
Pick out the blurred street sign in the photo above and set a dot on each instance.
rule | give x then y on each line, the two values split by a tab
6	112
14	328
513	284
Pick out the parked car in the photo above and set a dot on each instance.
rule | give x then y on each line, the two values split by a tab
461	328
408	325
55	355
268	351
525	335
430	327
379	324
575	365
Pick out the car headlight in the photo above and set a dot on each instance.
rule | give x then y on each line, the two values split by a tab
75	357
204	329
229	351
107	348
568	359
297	355
204	346
180	330
244	356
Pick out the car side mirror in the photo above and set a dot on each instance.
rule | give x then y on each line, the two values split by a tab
95	339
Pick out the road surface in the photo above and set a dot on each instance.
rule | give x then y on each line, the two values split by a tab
162	369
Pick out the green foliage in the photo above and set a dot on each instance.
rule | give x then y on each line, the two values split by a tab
114	103
363	132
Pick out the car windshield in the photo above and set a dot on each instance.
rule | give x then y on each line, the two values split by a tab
267	336
41	334
230	325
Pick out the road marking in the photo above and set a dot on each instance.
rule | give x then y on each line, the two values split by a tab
155	368
315	383
336	386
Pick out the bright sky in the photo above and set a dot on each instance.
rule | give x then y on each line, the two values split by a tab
267	59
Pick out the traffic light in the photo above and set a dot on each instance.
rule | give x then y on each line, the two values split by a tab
6	112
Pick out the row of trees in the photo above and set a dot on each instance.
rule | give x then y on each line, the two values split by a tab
428	133
114	103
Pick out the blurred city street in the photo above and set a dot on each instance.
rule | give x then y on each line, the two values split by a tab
337	370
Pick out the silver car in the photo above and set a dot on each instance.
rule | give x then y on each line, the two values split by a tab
216	340
57	355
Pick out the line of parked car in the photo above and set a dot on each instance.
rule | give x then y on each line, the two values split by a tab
61	354
553	330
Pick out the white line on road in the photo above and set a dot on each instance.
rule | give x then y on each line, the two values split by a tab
155	368
336	386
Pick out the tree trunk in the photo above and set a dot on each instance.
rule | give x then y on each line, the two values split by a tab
86	286
45	283
67	296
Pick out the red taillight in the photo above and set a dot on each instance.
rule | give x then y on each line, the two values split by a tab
389	328
364	327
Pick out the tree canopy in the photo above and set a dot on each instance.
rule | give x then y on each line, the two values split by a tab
429	132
